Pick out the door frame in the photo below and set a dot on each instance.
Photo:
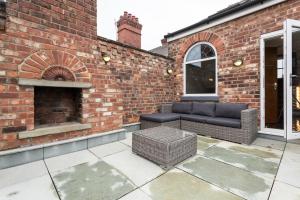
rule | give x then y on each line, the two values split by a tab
288	63
263	129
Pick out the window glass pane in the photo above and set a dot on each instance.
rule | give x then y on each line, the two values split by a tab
194	54
200	77
207	51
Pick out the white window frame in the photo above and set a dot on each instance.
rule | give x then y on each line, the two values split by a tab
200	60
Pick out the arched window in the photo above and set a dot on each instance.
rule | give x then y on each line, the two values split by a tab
200	70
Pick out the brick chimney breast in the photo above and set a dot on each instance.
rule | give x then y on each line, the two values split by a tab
129	30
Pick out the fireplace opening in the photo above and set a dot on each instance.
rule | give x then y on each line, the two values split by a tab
54	106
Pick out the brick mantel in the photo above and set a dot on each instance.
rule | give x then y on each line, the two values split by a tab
46	83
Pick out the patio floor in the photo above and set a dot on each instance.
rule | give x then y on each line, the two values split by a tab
221	170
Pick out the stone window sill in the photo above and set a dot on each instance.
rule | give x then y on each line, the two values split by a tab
200	98
46	83
67	127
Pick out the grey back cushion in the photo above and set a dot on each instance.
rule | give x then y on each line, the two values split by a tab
182	107
206	109
230	110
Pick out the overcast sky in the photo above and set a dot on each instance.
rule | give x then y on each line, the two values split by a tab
158	17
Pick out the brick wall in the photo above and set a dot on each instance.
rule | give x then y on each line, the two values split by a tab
72	16
236	39
142	78
133	82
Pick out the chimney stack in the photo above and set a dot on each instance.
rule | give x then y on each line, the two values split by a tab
164	42
129	30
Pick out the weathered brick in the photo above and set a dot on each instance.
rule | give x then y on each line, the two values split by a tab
13	129
232	40
9	95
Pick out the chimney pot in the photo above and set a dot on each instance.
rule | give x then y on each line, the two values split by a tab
129	30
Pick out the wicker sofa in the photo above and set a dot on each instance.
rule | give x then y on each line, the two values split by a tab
227	121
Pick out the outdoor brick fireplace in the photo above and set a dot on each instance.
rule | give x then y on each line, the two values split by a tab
58	80
56	105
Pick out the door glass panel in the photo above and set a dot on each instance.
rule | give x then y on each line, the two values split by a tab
274	83
295	79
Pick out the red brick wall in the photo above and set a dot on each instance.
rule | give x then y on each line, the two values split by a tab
235	39
31	45
72	16
142	78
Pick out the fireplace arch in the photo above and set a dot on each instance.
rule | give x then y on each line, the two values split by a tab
57	73
69	66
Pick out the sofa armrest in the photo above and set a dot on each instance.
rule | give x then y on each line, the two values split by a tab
166	108
249	120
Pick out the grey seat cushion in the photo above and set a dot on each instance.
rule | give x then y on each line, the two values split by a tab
195	118
230	110
161	117
207	109
228	122
182	107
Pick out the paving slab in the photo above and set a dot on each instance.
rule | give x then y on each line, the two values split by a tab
21	173
289	169
282	191
128	140
238	181
92	181
33	189
262	152
138	169
69	160
204	143
177	184
295	141
292	148
273	144
136	195
259	160
109	149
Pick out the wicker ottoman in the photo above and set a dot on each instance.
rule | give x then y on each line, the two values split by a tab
160	119
164	145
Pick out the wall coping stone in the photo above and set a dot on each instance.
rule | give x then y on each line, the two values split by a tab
15	157
23	149
132	124
134	48
53	130
46	83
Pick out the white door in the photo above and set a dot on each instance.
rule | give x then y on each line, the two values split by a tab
292	74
